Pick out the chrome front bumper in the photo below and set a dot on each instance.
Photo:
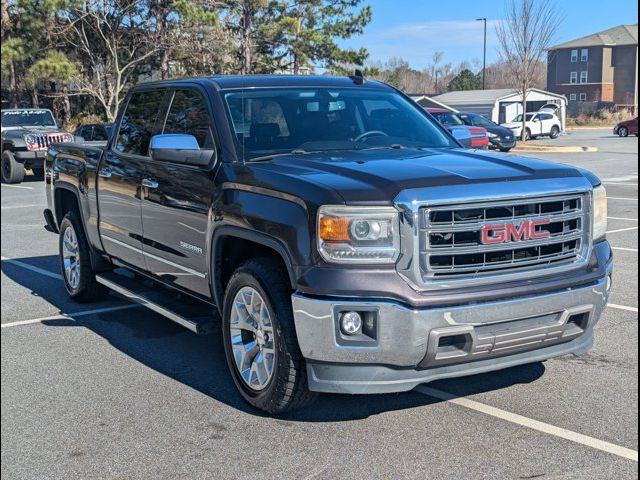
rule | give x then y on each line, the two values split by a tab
414	346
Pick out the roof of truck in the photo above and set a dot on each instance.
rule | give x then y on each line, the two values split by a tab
225	82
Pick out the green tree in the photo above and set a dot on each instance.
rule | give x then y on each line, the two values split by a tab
465	80
307	31
59	71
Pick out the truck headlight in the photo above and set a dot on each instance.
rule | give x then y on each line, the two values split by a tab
358	234
491	135
29	139
599	213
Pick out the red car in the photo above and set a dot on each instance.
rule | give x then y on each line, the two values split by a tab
626	128
479	137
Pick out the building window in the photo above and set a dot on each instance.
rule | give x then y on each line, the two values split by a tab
574	77
584	55
573	97
583	97
584	76
574	56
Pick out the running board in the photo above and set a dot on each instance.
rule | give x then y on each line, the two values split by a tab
189	312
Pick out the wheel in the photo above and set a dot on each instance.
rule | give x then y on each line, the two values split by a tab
622	131
555	132
260	341
75	262
527	135
505	150
12	171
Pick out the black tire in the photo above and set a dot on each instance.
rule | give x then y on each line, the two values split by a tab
555	132
287	388
527	134
623	132
505	150
12	170
86	289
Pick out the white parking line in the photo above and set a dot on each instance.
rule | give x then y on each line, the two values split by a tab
33	205
625	249
623	307
624	219
623	198
26	266
622	230
626	184
17	186
69	316
532	424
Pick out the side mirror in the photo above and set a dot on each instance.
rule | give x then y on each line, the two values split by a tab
179	148
535	120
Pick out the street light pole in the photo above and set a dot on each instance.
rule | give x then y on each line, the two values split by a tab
484	55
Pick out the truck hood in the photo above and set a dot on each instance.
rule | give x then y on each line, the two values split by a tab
378	176
512	125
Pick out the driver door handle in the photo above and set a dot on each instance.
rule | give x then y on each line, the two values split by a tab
149	183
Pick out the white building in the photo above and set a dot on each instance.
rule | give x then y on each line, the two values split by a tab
499	105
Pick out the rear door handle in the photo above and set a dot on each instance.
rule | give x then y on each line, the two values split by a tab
105	173
149	183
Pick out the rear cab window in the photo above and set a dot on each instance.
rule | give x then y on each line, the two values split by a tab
140	121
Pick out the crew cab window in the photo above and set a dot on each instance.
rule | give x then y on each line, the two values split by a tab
139	122
188	114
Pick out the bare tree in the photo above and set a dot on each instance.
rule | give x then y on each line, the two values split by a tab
524	36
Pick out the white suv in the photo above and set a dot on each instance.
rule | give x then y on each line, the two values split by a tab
537	124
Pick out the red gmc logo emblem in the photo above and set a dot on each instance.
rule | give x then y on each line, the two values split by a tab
514	232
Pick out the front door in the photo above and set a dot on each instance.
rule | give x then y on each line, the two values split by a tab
177	199
120	176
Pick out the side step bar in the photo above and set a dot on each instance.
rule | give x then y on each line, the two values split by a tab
192	314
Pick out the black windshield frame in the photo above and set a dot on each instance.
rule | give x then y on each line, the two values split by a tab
344	100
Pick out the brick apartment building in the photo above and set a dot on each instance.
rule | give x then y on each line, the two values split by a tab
598	69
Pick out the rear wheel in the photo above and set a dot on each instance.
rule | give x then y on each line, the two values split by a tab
75	262
555	132
260	341
623	131
12	170
527	135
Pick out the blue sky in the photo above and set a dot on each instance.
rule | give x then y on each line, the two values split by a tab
414	29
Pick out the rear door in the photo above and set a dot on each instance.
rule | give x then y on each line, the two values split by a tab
175	209
120	178
547	121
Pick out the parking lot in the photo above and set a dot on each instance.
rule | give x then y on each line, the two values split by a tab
111	390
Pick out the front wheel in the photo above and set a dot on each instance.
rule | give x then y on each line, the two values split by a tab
505	150
623	131
12	170
527	135
260	341
555	132
75	262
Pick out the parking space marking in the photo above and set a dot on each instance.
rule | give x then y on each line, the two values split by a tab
622	230
623	219
626	184
17	186
69	316
575	437
623	307
33	205
623	198
26	266
625	249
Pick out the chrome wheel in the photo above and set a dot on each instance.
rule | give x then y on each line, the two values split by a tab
71	258
252	338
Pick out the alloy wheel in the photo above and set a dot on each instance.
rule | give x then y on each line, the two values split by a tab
71	258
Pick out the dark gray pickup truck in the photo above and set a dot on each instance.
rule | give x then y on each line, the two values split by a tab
342	236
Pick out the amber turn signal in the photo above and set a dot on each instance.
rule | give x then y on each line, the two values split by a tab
334	229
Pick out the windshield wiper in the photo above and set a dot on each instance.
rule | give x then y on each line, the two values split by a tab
276	155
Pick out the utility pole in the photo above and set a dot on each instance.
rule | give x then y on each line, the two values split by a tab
484	55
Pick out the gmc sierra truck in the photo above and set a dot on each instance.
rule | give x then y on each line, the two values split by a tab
340	237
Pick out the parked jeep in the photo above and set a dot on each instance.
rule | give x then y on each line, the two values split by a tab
27	133
344	238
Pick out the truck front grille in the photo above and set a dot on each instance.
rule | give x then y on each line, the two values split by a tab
43	141
452	246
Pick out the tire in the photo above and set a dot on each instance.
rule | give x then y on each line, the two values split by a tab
527	135
505	150
623	132
75	262
286	387
555	132
12	171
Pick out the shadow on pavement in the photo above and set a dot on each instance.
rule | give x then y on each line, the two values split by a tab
199	361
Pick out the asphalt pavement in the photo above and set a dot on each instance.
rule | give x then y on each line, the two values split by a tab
112	390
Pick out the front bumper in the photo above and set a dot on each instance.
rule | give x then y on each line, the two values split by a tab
412	346
501	143
31	158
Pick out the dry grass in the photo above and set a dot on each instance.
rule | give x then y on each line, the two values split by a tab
601	118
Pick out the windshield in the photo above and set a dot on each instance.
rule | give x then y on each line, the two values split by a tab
447	118
302	120
519	117
27	118
477	120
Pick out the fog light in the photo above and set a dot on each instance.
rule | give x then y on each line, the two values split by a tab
350	323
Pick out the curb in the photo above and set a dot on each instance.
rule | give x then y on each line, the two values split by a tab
568	149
